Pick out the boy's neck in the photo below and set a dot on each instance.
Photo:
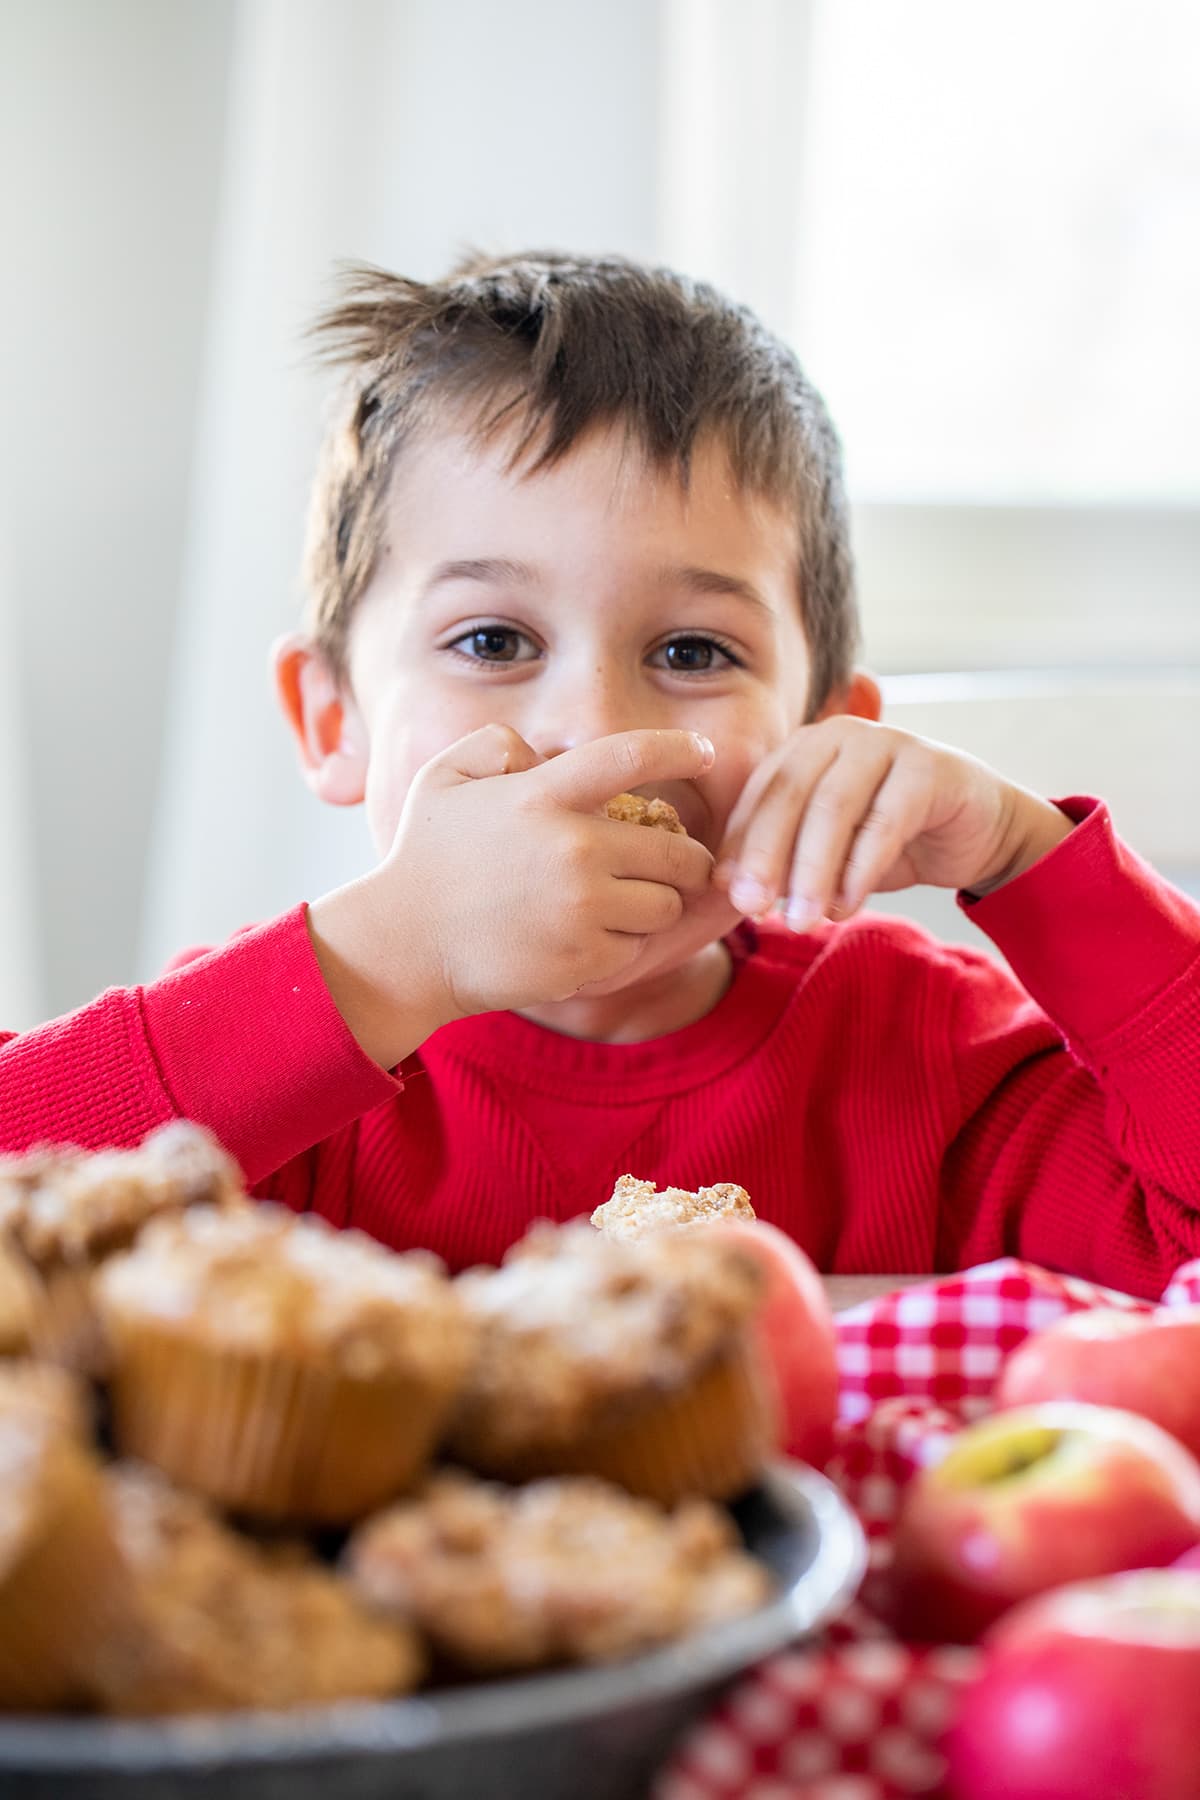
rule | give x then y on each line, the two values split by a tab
663	1003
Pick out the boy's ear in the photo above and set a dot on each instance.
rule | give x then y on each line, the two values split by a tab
330	733
860	698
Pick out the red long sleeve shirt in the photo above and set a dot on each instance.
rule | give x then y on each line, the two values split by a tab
893	1103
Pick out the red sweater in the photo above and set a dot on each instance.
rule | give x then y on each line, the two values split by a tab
893	1103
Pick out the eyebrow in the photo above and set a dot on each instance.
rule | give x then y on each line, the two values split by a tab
503	569
483	569
713	581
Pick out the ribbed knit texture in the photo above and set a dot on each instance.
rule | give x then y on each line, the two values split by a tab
893	1103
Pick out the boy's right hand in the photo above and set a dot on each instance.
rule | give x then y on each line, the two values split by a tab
506	887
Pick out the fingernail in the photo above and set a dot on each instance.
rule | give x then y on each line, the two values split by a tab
801	913
706	748
749	896
723	873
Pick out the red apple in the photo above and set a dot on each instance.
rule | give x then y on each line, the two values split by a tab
1148	1363
1029	1499
796	1328
1089	1691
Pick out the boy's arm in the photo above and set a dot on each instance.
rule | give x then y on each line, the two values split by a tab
1088	1162
244	1039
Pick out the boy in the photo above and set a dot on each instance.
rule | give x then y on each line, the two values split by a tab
579	530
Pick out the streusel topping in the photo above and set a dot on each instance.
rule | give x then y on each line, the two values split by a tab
639	1207
569	1570
66	1207
574	1320
257	1278
225	1624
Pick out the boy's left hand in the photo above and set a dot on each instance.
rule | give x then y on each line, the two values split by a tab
846	808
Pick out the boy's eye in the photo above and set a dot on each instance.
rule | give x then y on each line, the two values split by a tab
694	655
494	644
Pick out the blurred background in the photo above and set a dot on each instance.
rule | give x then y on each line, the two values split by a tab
979	226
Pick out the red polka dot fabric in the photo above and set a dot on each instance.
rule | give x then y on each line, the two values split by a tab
857	1714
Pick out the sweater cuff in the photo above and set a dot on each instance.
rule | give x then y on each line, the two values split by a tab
249	1042
1093	933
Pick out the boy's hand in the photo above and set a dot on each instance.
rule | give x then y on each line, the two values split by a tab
505	887
846	808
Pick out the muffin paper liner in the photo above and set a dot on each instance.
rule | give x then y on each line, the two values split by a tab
711	1437
270	1437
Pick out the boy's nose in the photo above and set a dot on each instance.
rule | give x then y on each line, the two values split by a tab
589	710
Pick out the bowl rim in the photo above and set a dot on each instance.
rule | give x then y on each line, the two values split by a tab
458	1716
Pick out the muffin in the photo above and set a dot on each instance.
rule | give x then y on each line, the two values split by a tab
284	1369
634	1362
637	1207
62	1586
18	1302
48	1393
65	1212
502	1580
223	1624
635	809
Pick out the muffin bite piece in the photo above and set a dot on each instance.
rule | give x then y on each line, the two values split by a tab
639	1207
222	1624
64	1212
502	1580
284	1369
635	809
638	1363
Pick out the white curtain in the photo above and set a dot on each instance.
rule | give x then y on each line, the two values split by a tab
398	133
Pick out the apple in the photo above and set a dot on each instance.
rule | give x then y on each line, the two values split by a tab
1148	1363
1090	1690
1029	1499
796	1329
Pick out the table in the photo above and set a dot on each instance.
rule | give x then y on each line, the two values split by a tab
843	1291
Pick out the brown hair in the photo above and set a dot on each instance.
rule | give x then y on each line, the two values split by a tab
552	345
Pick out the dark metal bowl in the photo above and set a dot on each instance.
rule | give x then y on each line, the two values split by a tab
589	1734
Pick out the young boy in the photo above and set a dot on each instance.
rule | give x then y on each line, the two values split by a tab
580	530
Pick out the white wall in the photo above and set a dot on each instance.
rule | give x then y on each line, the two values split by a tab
110	140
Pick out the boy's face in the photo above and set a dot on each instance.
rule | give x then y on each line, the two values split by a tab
590	598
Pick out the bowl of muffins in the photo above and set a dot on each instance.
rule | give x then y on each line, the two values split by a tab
285	1512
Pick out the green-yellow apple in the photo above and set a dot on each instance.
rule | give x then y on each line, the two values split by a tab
1148	1363
1029	1499
1091	1690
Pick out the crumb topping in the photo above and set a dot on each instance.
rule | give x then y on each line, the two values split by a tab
62	1206
569	1570
638	1207
635	809
575	1322
224	1623
257	1278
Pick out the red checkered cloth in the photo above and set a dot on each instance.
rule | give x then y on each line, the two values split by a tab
857	1714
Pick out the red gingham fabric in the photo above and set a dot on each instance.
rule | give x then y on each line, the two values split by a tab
857	1714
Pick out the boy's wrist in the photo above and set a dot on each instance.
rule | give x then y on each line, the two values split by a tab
387	996
1036	827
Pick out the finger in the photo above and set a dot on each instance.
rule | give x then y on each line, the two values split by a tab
642	908
492	750
836	809
764	853
585	777
895	818
642	854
